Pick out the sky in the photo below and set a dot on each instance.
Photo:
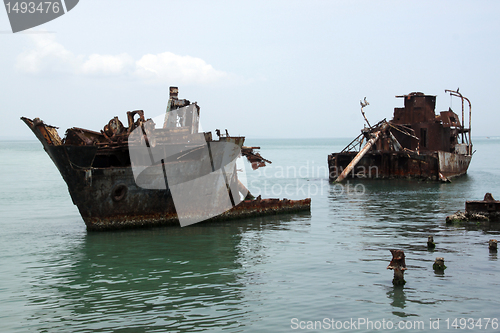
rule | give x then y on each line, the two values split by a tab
261	69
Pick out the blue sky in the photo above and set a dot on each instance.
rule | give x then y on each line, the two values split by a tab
276	69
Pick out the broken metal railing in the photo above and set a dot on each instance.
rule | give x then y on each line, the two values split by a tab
467	139
404	130
356	144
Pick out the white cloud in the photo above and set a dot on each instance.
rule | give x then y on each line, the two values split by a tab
183	69
98	64
48	56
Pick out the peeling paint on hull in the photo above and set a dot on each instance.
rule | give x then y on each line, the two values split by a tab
453	165
246	209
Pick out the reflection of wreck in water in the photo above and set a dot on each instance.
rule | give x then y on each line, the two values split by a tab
156	274
416	143
174	279
130	176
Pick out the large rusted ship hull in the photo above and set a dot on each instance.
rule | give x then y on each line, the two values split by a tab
98	169
245	209
109	198
400	165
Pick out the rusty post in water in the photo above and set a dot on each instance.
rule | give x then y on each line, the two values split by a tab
492	245
439	264
399	266
430	242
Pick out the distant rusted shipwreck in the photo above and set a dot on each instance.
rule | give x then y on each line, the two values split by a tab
486	210
416	143
97	168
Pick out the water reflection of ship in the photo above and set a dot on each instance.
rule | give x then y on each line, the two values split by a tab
175	279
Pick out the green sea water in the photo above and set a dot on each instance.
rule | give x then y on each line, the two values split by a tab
296	272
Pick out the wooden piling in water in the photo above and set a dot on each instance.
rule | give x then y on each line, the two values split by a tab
439	264
430	242
492	245
399	266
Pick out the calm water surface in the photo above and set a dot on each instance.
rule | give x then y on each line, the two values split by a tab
253	275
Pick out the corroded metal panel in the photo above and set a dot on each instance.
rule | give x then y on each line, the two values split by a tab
453	165
381	165
246	209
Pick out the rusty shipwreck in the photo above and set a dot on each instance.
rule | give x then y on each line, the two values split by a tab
486	210
416	143
147	175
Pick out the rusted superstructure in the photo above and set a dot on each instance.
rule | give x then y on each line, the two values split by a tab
97	168
416	143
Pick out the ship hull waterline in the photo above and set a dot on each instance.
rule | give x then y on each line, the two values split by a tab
109	198
438	165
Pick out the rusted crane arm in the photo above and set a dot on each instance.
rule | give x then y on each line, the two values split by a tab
361	153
